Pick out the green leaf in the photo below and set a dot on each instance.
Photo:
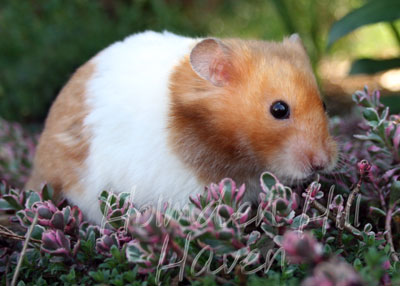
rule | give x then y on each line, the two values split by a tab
371	137
47	192
103	196
278	239
370	240
5	206
66	214
117	282
122	199
387	249
384	116
338	251
130	275
68	278
371	12
133	254
218	245
372	66
253	237
33	198
268	180
394	192
100	275
38	231
356	231
228	191
357	264
115	252
300	221
112	200
225	235
376	210
268	229
281	205
370	114
368	227
116	219
12	202
270	218
327	249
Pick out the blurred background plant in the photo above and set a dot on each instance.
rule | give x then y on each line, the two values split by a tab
43	42
386	11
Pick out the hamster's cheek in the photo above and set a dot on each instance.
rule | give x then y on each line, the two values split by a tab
302	155
290	163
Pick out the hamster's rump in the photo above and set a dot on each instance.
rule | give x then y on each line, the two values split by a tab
64	143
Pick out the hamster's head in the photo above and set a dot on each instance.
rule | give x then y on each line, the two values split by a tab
250	106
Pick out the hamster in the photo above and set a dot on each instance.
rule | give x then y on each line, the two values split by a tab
162	116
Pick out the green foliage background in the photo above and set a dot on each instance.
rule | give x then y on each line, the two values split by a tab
42	42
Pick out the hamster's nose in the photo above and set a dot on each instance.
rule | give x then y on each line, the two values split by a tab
319	162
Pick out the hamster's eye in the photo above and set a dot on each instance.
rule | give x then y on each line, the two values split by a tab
280	110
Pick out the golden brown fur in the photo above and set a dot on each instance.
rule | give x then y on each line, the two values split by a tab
63	145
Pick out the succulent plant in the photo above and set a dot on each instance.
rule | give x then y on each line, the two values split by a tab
301	235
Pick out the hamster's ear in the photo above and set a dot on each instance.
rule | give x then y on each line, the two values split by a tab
295	38
210	60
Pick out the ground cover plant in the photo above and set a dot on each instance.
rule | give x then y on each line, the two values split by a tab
339	229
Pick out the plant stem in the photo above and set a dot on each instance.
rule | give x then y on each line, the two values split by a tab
348	227
381	196
344	219
350	201
5	232
7	268
21	257
388	230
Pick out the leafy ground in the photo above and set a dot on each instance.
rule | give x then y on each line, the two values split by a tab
341	229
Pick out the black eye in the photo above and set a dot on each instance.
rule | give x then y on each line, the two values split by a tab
280	110
324	105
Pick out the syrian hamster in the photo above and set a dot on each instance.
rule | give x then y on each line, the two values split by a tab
162	116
